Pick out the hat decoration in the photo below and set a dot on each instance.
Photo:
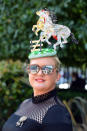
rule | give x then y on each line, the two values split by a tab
46	24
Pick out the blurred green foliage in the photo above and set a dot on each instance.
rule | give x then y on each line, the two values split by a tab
18	17
14	87
69	94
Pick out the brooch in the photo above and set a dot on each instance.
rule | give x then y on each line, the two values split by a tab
21	121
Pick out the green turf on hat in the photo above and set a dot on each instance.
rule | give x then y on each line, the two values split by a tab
43	53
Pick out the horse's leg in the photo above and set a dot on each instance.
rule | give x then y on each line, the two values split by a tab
36	32
47	39
58	42
64	41
42	36
54	46
33	28
49	43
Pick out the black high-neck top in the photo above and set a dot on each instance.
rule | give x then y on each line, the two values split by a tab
40	113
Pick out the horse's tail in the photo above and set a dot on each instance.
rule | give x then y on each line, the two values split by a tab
74	40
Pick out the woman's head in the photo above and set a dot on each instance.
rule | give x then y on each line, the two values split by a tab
43	82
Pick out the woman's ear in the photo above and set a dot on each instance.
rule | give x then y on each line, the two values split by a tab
58	76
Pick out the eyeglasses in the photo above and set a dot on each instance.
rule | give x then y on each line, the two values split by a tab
47	69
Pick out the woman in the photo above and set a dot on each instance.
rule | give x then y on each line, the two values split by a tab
44	111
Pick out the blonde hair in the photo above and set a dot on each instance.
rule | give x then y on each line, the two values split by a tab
58	63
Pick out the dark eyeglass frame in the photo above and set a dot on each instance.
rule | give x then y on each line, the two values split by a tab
50	69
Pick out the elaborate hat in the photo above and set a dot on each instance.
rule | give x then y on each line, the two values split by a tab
43	53
46	24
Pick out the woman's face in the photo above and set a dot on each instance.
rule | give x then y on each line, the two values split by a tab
40	82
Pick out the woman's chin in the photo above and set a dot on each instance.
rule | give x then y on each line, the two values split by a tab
39	87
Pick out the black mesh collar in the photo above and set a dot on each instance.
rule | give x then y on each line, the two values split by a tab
43	97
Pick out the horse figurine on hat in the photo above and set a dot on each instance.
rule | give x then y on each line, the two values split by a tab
46	24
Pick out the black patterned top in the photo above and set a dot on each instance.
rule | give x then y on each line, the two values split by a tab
41	113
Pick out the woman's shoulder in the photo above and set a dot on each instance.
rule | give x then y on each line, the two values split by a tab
24	104
58	113
26	101
61	108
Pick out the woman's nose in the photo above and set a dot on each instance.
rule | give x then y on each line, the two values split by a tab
40	72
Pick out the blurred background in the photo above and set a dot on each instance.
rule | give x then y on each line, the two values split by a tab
16	20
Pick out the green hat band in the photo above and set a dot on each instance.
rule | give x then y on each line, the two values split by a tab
43	53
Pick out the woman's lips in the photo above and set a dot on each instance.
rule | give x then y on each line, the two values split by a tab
39	80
